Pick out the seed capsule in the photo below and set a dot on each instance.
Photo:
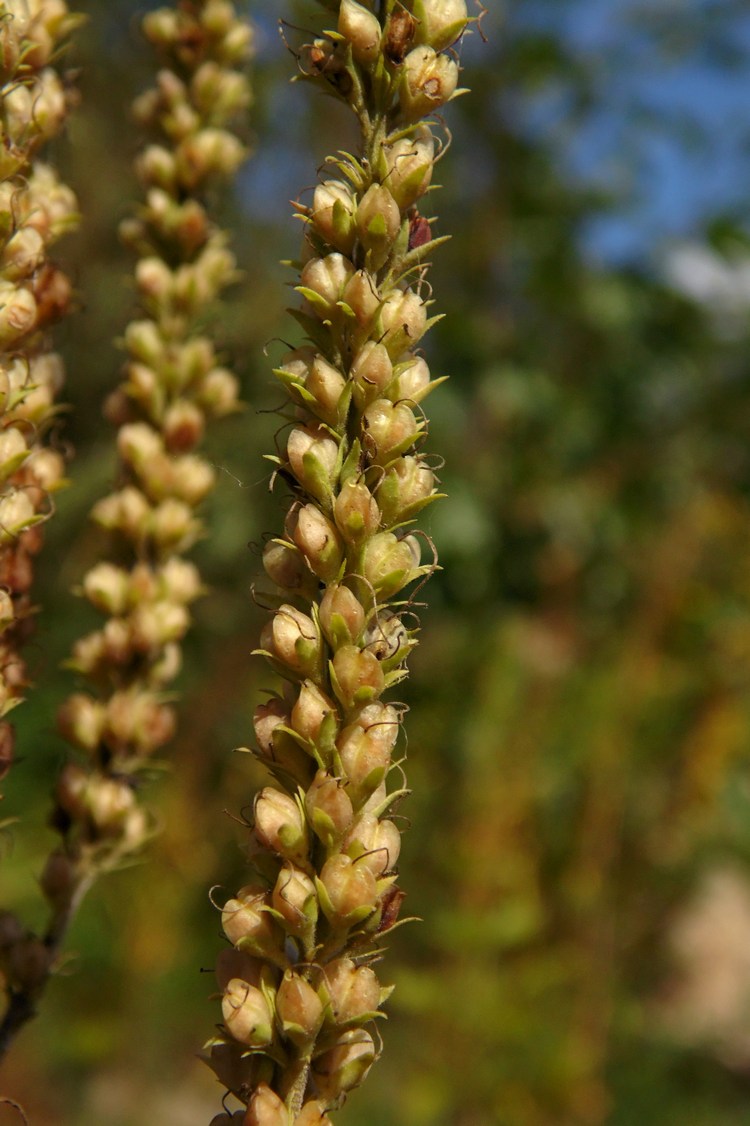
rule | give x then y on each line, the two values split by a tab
246	1014
361	29
429	81
344	1067
299	1009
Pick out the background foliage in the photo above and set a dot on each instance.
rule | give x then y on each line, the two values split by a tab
580	714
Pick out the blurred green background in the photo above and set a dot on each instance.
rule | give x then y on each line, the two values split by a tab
579	830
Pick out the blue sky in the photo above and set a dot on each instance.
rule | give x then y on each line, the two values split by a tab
668	127
671	117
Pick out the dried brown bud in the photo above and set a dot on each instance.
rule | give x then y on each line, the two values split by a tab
399	35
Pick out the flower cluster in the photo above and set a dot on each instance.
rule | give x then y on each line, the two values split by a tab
173	385
299	991
36	208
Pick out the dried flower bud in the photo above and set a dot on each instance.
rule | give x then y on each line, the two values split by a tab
356	512
190	478
362	297
333	214
266	718
22	254
329	808
376	843
388	639
399	35
323	281
154	625
218	90
291	637
183	426
378	218
209	152
299	1009
406	487
7	613
390	429
440	22
365	760
318	540
80	720
126	511
311	710
18	314
357	676
342	617
390	564
295	898
326	384
365	747
313	457
344	1067
245	921
13	451
403	316
279	824
47	468
428	81
246	1014
286	566
372	372
154	279
350	890
180	580
408	166
353	991
413	380
173	526
109	803
361	28
137	721
156	167
218	392
107	588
